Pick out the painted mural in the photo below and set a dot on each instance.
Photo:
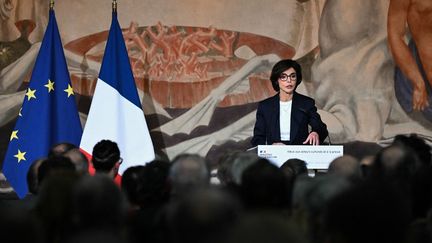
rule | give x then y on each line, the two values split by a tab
201	66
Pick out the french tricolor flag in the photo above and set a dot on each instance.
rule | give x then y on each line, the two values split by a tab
115	112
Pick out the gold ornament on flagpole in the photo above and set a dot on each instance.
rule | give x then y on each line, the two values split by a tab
51	6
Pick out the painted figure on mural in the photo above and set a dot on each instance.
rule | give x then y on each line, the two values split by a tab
22	24
413	76
354	74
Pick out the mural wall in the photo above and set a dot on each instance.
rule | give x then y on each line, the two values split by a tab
201	66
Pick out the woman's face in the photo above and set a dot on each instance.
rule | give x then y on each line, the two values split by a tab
287	81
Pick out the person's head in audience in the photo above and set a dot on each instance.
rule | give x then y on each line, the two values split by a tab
78	159
345	165
54	204
395	164
293	168
155	189
98	203
187	173
206	215
60	149
32	176
368	212
131	182
224	171
242	161
106	157
417	144
146	186
54	165
148	191
264	186
310	198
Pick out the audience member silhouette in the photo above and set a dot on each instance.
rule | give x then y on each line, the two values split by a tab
32	176
72	152
418	145
345	165
54	206
60	149
188	172
131	183
98	204
78	159
310	198
155	190
368	212
206	215
224	168
397	165
106	157
55	164
241	162
292	168
148	190
264	186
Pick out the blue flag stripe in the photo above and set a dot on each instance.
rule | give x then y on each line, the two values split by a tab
121	77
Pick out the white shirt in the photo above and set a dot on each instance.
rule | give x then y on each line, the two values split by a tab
285	119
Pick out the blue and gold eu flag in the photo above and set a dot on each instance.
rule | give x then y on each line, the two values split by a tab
48	115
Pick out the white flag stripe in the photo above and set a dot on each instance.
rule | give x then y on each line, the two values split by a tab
117	119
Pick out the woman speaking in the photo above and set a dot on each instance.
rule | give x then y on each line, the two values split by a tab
285	118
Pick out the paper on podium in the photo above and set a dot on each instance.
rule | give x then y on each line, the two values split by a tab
316	157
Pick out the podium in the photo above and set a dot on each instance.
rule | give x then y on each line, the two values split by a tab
316	157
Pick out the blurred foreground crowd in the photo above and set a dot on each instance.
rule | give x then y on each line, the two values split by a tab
382	198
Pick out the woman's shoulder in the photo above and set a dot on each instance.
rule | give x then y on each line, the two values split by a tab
303	98
270	99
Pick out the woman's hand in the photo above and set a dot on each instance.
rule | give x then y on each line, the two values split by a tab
313	139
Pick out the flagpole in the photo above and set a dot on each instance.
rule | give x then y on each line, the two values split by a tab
51	5
114	6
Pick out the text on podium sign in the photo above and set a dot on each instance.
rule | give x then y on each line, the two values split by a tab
316	157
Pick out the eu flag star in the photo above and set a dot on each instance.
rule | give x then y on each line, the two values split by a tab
69	90
50	86
30	94
20	156
14	135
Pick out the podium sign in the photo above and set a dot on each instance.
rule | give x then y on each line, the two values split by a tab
316	157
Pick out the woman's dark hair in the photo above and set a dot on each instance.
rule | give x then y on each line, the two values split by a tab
281	67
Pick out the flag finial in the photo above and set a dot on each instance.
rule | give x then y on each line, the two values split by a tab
114	5
51	5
